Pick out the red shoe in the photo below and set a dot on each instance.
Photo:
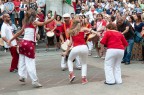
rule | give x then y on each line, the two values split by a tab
84	80
71	77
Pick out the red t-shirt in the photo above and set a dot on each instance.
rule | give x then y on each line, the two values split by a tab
50	25
114	39
78	39
41	17
17	5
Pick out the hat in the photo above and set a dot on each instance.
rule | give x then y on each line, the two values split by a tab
1	42
66	15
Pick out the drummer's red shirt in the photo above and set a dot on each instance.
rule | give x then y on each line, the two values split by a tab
78	39
17	3
50	25
114	40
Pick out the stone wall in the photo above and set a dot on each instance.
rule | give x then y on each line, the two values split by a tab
58	6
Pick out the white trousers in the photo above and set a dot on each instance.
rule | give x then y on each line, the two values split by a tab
64	63
82	52
27	65
112	65
90	45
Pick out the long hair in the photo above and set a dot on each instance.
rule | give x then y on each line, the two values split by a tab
29	17
76	26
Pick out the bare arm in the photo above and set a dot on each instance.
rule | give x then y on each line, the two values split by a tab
62	38
126	30
43	23
17	34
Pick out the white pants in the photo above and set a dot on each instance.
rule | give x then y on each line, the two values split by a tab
82	52
90	45
27	65
112	65
64	63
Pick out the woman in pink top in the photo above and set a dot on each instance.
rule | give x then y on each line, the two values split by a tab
79	49
115	43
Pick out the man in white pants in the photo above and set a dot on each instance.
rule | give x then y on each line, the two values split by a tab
64	36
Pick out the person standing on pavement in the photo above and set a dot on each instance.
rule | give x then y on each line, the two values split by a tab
126	29
64	36
27	47
80	49
116	44
7	34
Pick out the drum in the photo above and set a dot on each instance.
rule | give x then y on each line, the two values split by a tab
50	34
64	46
1	42
9	6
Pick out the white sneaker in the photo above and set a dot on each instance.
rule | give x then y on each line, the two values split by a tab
36	84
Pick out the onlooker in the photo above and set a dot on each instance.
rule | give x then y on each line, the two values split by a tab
126	29
7	34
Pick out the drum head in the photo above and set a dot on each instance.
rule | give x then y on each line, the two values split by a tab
1	42
50	34
64	46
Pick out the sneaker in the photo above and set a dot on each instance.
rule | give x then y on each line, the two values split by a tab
84	80
36	84
71	77
21	79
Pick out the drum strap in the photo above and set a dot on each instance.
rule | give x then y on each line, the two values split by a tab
65	29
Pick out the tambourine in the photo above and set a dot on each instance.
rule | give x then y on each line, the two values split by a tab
50	34
1	42
9	6
64	46
41	3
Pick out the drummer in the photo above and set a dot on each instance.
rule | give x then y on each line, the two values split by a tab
64	36
50	27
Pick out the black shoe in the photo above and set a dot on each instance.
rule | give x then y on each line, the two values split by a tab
127	63
109	83
123	62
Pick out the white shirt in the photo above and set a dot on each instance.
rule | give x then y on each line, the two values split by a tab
89	14
6	31
29	34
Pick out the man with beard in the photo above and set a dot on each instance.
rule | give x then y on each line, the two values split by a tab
6	33
64	36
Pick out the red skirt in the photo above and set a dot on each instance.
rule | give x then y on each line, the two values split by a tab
27	48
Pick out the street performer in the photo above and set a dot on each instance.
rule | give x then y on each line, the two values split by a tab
27	47
65	36
80	49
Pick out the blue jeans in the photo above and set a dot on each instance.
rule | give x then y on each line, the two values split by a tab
128	50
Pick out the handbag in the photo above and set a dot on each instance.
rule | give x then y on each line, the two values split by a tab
137	37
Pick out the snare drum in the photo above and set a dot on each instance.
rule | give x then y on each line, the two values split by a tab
50	34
